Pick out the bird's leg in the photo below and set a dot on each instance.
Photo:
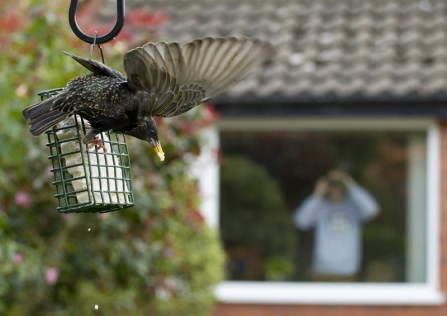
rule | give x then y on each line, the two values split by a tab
92	139
97	142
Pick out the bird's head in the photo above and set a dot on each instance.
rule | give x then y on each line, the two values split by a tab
148	131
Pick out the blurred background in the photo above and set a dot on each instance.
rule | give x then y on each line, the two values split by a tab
353	84
158	257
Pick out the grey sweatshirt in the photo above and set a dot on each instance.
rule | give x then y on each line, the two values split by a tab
337	248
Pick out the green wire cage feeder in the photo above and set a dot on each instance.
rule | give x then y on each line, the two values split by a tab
88	180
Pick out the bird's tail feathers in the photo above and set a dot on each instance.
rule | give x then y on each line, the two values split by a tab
46	121
42	117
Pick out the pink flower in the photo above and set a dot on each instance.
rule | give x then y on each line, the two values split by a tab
51	276
18	258
22	199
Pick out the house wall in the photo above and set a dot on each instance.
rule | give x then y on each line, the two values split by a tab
311	310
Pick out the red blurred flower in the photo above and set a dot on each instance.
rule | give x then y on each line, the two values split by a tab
10	23
210	113
146	18
196	216
159	120
186	128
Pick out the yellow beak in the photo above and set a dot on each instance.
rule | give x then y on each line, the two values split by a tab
159	151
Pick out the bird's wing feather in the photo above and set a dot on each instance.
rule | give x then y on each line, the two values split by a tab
147	70
97	68
144	73
217	63
192	72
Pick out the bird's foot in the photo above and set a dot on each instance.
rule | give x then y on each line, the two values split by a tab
97	142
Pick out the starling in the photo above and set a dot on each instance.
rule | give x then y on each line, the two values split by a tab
163	79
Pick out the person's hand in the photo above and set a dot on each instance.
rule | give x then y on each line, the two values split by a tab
340	175
321	187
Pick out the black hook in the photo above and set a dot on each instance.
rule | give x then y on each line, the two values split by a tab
101	39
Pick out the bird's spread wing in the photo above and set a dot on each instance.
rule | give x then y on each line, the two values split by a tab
180	76
97	68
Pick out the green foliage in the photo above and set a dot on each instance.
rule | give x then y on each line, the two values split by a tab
277	268
253	213
382	242
157	258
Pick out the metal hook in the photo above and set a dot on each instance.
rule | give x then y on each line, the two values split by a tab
101	39
91	50
95	39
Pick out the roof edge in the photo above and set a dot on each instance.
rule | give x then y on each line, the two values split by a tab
359	105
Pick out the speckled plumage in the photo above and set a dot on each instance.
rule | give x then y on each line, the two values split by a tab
102	100
163	79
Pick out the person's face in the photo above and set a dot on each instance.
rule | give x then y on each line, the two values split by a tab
336	193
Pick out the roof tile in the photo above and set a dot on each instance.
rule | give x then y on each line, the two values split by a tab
344	48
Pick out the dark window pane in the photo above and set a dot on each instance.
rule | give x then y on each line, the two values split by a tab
265	176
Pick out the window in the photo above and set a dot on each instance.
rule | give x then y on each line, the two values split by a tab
270	260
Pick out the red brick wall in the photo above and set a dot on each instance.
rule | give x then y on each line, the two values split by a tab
305	310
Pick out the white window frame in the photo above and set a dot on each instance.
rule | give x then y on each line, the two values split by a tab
426	293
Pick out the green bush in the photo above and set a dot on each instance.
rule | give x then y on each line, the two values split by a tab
277	268
254	216
157	258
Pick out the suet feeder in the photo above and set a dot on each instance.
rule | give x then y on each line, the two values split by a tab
88	180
